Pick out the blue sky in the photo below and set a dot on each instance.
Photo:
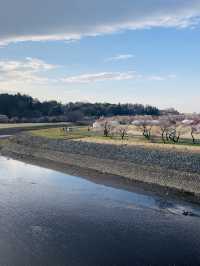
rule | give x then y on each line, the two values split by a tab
139	51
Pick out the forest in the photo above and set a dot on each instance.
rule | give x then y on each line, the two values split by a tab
24	106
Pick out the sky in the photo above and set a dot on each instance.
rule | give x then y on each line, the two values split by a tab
145	51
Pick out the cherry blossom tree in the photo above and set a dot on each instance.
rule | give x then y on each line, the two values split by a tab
194	125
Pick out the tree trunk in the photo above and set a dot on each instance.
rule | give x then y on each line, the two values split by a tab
163	138
193	139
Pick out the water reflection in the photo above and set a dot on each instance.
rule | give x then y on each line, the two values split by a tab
50	218
15	171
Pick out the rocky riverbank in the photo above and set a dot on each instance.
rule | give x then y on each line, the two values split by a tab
171	169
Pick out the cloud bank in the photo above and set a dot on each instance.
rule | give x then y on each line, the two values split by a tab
113	76
36	71
29	70
28	20
102	76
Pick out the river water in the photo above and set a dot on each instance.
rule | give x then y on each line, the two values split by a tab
50	218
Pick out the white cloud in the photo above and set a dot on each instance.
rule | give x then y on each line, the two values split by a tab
102	76
120	57
37	20
161	78
107	76
35	71
29	70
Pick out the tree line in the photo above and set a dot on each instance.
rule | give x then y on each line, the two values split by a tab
24	106
169	128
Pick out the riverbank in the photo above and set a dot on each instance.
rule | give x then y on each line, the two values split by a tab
168	169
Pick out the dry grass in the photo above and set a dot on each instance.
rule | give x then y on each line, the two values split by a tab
80	133
146	144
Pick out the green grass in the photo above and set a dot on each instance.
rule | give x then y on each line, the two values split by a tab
182	141
28	125
57	133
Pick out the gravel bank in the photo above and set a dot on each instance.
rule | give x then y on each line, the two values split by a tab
168	168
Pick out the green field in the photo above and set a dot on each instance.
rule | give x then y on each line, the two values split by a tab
58	133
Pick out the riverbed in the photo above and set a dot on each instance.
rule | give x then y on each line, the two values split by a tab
51	218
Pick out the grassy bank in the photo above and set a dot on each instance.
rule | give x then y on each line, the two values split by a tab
11	129
82	133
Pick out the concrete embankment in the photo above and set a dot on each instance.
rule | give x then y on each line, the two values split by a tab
168	168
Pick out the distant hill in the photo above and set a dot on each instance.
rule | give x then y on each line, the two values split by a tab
23	106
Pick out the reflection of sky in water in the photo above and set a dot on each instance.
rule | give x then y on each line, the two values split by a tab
54	186
14	169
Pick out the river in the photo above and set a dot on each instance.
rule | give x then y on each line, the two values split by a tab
50	218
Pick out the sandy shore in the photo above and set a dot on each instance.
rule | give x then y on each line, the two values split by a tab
92	163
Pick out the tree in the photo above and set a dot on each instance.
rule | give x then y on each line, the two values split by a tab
164	126
106	130
55	110
145	124
123	131
24	106
194	125
170	128
75	116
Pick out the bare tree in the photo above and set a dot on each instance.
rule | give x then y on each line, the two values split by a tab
194	125
107	129
164	125
176	128
145	124
123	131
105	126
